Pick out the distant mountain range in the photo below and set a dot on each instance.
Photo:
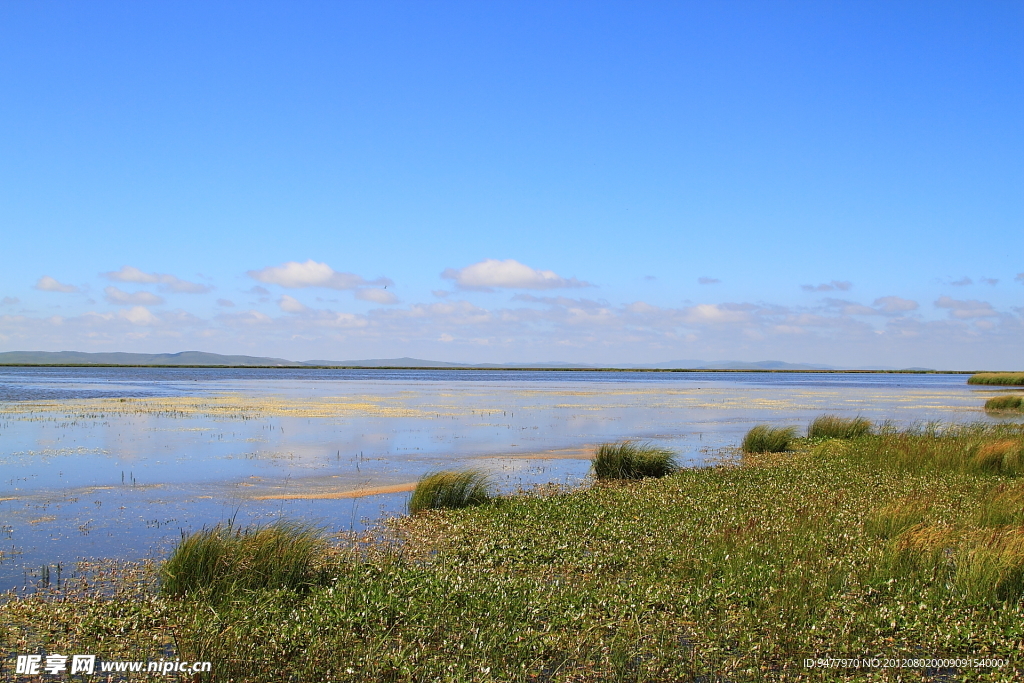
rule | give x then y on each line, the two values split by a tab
199	358
183	358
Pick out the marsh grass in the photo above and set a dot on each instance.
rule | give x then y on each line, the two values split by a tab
767	439
998	378
450	489
628	460
225	561
1005	403
836	427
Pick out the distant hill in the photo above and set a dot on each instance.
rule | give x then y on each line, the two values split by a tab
183	358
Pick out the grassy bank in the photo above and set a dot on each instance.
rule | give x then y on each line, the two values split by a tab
998	378
892	544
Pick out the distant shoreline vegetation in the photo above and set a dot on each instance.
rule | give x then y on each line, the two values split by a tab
492	368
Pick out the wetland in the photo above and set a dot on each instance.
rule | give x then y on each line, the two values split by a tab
118	462
892	530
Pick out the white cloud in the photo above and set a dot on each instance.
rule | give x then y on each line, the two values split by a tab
10	300
714	314
48	284
1020	277
962	282
291	305
168	283
138	315
509	274
962	310
850	307
377	296
227	303
894	304
121	298
708	280
246	318
840	285
295	275
992	281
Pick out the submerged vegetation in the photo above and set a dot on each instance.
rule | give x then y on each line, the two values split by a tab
902	543
998	378
766	439
836	427
450	489
1005	403
628	460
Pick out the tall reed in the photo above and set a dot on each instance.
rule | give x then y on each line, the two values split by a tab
450	489
628	460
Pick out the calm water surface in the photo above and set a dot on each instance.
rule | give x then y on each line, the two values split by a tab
117	462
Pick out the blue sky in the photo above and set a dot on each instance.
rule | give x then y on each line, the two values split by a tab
820	182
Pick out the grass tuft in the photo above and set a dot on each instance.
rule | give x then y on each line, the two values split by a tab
1007	403
766	439
999	378
893	520
1003	506
226	560
628	460
450	489
990	568
836	427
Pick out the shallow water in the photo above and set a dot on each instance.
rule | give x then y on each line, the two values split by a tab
118	462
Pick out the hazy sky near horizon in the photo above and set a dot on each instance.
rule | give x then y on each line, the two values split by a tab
825	182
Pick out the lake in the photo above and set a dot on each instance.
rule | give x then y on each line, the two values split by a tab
118	462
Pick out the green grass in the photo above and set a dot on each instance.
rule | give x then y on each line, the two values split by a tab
225	561
998	378
892	520
767	439
450	489
877	545
1005	403
836	427
628	460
